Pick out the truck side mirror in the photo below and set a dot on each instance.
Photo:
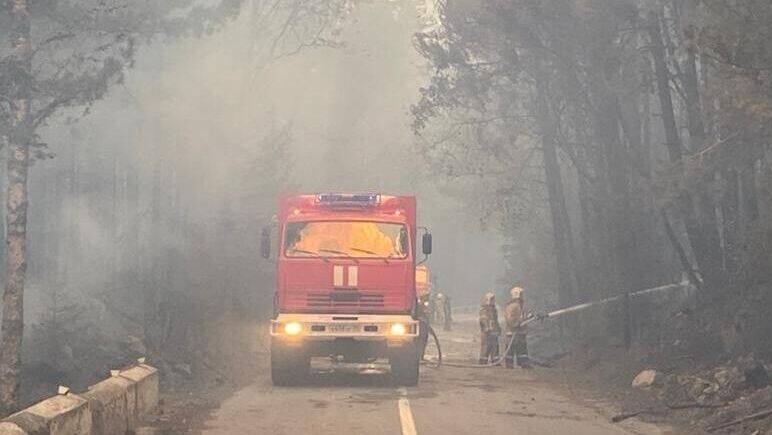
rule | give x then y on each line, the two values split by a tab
426	243
265	243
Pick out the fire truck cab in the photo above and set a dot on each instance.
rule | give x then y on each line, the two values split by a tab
345	283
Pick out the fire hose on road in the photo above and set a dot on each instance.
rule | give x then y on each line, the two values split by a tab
496	363
685	285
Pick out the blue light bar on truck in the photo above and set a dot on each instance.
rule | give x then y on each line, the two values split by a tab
349	199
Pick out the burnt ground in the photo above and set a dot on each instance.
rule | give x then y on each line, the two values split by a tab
448	400
584	388
692	393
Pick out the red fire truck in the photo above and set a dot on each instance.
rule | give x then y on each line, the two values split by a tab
346	283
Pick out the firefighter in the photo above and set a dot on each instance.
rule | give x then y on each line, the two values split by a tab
422	315
447	313
489	329
431	313
515	314
439	308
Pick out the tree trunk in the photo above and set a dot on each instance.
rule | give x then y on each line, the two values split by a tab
663	90
564	246
709	249
749	204
690	79
703	237
588	234
151	286
621	226
20	138
731	221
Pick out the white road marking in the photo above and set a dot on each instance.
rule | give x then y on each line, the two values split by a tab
406	415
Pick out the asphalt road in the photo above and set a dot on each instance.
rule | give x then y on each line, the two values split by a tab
447	401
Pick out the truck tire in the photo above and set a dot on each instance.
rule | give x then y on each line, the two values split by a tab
405	367
289	367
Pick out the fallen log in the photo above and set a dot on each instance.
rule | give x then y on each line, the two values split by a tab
539	363
695	405
677	406
754	416
622	417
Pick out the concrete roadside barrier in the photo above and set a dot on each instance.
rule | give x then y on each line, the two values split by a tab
146	382
113	405
60	415
8	428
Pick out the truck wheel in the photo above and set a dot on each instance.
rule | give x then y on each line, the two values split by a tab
288	366
404	368
285	373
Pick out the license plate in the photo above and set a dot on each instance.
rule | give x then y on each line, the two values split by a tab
344	328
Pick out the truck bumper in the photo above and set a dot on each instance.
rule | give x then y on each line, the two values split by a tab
354	336
328	327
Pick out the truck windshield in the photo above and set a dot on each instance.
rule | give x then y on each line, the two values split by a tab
346	239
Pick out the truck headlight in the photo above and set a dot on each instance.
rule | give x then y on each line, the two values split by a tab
398	329
293	328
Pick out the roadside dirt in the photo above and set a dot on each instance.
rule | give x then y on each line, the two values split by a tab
690	394
447	401
600	380
192	392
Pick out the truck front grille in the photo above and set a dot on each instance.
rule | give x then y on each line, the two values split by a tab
345	299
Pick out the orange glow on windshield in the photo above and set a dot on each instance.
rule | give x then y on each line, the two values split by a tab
356	239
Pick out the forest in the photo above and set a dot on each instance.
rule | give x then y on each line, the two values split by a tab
582	149
634	133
